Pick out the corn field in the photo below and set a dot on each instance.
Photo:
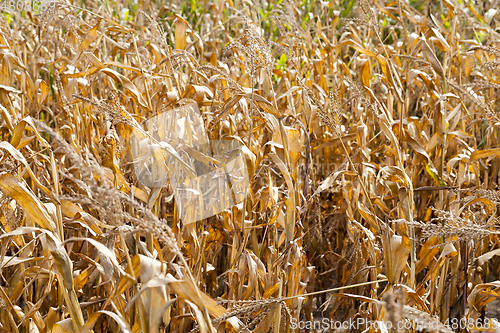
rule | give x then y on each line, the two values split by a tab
367	135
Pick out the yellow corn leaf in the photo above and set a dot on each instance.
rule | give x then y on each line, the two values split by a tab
388	69
490	153
483	288
265	325
417	147
73	211
427	253
20	158
9	306
359	48
401	246
10	186
197	93
180	33
94	60
366	73
6	117
122	322
290	211
19	129
44	91
368	216
271	291
89	324
263	103
440	41
294	145
431	57
8	261
127	84
103	252
91	36
473	10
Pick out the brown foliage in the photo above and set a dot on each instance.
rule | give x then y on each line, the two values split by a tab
371	143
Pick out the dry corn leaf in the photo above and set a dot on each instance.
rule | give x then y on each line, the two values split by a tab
368	216
180	33
359	48
12	261
290	212
118	319
7	117
366	73
127	84
94	60
431	57
10	186
489	153
197	93
263	103
64	326
20	158
20	128
103	251
91	321
90	38
297	229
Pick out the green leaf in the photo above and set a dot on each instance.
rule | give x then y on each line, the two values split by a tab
434	174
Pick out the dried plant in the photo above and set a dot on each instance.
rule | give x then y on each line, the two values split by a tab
369	136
